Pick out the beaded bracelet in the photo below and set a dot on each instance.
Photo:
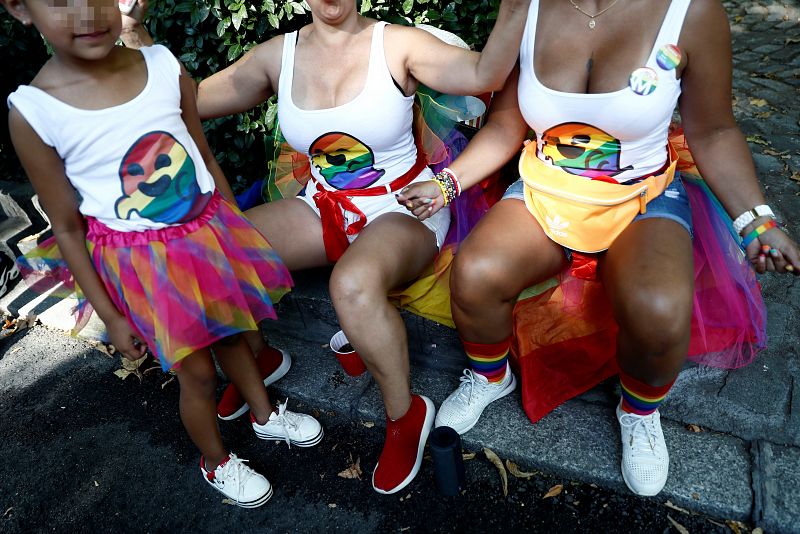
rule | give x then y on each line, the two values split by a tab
448	186
749	238
453	177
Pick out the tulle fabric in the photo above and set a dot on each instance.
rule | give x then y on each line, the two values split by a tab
182	287
565	334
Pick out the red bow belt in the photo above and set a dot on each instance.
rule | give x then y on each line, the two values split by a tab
331	203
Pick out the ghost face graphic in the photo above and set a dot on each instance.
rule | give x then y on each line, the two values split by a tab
582	150
344	161
159	181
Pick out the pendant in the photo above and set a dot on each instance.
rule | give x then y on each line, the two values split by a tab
591	24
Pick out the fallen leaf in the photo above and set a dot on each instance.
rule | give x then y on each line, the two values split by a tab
368	424
516	471
490	454
8	511
696	496
228	501
758	530
130	367
171	379
795	176
554	491
332	505
468	456
680	528
758	102
106	348
756	139
669	504
791	40
404	529
694	428
96	484
762	114
736	526
354	470
771	152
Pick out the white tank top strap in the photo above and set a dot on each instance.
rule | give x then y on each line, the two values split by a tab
379	72
287	63
671	27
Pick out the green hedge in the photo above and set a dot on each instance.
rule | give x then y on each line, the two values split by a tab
209	35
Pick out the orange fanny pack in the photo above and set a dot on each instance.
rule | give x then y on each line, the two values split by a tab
581	214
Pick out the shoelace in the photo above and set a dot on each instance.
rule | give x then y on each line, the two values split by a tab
468	382
235	468
639	425
287	420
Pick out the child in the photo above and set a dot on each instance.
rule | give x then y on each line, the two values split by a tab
154	241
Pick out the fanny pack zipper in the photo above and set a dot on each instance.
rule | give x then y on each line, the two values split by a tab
641	193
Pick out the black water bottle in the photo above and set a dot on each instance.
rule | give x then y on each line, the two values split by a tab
448	463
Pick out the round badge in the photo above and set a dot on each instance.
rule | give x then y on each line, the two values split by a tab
643	81
668	57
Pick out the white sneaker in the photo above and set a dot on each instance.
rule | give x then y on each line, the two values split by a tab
645	459
239	483
462	409
293	428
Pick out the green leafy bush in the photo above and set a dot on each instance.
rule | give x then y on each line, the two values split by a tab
208	35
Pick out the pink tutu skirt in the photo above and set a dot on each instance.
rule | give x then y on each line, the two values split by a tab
181	288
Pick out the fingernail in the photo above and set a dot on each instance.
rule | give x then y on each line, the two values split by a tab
790	268
773	251
765	249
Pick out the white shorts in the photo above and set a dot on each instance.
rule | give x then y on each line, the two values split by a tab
375	206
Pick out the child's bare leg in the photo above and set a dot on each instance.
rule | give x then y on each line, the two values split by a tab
237	361
198	378
255	340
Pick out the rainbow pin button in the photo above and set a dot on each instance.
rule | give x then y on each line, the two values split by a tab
668	57
643	81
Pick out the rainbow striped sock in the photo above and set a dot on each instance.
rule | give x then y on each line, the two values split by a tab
488	360
640	398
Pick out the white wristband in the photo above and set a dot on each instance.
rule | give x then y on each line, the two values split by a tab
751	215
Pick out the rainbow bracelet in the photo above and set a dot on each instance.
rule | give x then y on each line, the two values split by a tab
749	238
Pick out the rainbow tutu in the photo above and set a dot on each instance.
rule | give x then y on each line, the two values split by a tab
182	287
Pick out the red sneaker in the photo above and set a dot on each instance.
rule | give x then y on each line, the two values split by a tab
402	452
272	363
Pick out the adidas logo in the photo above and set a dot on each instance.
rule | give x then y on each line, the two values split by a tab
557	225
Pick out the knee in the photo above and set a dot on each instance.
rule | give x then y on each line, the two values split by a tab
657	320
198	379
476	280
353	288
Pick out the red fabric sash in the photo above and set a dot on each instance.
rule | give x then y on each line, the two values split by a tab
331	203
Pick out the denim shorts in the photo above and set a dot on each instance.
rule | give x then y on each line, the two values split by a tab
672	204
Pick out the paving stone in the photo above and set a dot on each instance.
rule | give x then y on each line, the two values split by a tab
778	488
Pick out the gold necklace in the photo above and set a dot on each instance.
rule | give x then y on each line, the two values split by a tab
592	23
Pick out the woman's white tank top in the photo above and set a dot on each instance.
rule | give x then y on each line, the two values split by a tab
622	134
366	142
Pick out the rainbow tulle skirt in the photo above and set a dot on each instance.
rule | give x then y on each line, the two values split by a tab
182	287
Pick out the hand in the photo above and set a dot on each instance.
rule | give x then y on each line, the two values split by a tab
135	17
124	339
423	199
773	251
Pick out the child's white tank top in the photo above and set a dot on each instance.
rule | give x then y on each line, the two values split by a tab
134	165
622	134
365	142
